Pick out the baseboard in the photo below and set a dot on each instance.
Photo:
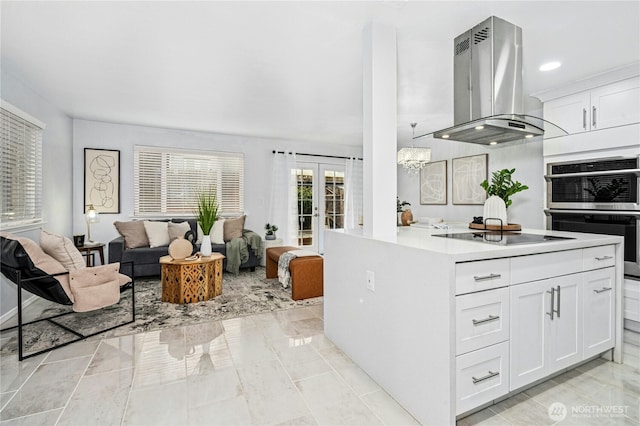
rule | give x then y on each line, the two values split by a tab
14	312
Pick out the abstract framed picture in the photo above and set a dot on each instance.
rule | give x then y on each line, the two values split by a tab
466	175
433	183
102	180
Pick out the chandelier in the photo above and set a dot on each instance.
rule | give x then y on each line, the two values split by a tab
413	159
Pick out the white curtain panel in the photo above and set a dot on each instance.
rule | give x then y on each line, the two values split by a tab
283	208
353	193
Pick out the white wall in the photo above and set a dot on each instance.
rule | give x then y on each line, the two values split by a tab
257	154
56	152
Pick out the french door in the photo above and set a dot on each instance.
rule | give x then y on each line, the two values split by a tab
320	189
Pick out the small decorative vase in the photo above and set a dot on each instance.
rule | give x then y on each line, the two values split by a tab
494	208
205	247
406	217
270	237
180	248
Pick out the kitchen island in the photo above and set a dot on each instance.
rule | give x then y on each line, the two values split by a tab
446	326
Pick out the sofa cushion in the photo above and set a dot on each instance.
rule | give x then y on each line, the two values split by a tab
157	233
143	255
217	232
233	228
177	230
61	249
133	233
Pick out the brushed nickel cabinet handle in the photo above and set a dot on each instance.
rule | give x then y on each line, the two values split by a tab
487	377
553	294
584	118
558	301
486	277
604	257
602	290
485	320
593	118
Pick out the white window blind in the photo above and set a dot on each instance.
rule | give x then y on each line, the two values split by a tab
20	167
166	180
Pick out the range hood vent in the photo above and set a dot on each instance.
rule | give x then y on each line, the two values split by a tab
488	98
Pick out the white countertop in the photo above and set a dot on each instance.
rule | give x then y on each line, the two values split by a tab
421	238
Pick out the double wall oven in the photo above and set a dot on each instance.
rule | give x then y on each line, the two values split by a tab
598	196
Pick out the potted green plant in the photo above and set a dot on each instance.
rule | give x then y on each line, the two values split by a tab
206	213
271	231
400	208
500	190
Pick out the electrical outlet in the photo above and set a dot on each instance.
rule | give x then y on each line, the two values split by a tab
371	286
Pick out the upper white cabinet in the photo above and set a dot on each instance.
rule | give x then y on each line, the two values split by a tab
607	106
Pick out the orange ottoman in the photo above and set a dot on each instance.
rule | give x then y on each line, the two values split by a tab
307	273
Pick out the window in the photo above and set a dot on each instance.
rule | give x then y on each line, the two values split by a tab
166	180
20	167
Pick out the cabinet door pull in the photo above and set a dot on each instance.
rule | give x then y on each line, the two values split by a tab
584	118
558	301
486	277
604	257
602	290
488	319
593	118
487	377
552	293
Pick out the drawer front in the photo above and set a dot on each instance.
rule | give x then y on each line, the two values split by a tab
598	257
546	265
481	376
631	299
482	319
481	275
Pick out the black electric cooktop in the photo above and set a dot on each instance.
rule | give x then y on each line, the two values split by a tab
502	238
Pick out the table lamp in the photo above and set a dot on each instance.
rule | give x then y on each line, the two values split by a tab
92	216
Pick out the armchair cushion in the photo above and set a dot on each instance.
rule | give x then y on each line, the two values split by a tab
96	287
61	249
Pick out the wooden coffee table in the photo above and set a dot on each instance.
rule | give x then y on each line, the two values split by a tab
190	281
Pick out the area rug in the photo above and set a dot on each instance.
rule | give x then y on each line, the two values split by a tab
243	294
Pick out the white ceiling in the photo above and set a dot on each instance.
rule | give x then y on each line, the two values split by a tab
287	70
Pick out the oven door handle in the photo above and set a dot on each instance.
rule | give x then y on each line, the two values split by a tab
549	212
635	172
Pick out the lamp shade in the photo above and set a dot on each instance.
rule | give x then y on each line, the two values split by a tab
92	215
413	159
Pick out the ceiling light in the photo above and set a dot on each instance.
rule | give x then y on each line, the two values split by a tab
493	143
528	136
413	159
445	136
550	66
479	127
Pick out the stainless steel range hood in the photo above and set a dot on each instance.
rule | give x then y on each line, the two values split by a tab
488	101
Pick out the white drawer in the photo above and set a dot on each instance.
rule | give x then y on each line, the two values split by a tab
481	275
482	319
546	265
481	376
598	257
631	299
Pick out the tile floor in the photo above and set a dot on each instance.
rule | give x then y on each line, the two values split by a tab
276	368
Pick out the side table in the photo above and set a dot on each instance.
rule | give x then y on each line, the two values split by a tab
87	250
190	281
267	244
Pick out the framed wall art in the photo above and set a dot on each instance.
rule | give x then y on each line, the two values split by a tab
102	180
433	183
466	175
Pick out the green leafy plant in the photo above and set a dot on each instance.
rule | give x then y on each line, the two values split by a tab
271	229
400	205
502	185
206	211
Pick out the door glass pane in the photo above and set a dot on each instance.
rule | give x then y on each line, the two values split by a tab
333	199
305	206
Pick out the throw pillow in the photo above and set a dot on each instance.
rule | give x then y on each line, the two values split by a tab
157	233
178	230
200	235
233	228
133	233
61	249
217	232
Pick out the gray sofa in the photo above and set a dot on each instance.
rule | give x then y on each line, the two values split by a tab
145	259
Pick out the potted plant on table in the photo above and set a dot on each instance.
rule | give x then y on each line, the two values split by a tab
404	215
271	231
206	214
500	190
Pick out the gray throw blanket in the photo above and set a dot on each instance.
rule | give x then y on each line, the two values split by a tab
238	250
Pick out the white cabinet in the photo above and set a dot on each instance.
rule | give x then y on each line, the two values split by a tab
612	105
482	319
546	333
598	308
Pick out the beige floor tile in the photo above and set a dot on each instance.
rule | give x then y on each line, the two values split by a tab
485	417
229	412
583	382
295	314
14	373
387	409
358	380
5	397
522	410
300	421
323	390
46	418
249	348
309	327
118	353
48	388
74	350
318	310
215	386
335	357
351	410
159	405
99	399
547	393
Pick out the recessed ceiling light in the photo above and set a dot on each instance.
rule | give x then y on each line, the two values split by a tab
445	136
493	143
479	127
528	136
550	66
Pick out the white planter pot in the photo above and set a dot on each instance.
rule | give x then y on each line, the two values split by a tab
494	208
205	247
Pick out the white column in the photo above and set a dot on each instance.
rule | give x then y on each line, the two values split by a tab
379	99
